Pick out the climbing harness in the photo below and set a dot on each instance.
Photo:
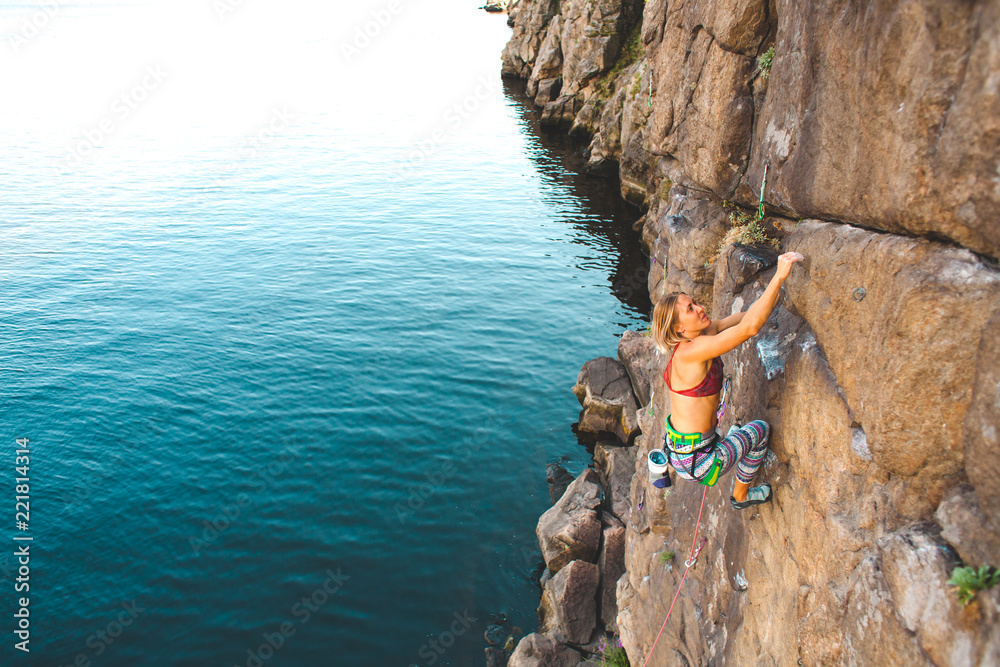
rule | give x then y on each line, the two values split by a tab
685	444
696	548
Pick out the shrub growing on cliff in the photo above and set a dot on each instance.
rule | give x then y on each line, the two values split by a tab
613	656
968	581
746	229
632	50
764	61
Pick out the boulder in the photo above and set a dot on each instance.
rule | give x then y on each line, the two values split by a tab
497	631
637	354
568	612
615	467
609	406
571	529
741	265
537	650
558	479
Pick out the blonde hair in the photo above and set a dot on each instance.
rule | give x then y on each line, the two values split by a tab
665	334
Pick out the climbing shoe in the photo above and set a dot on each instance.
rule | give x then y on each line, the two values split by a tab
755	496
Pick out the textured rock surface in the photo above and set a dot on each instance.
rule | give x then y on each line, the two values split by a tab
916	566
568	612
684	237
879	372
982	423
561	48
966	527
637	354
537	650
615	467
605	392
929	299
558	480
910	147
611	562
571	529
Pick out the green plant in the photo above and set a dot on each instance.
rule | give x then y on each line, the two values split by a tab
968	581
613	656
746	229
667	557
631	51
663	189
764	61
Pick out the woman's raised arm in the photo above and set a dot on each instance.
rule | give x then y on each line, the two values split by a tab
707	347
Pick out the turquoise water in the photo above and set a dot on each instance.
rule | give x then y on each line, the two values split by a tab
293	338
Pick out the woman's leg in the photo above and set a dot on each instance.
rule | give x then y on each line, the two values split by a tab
746	449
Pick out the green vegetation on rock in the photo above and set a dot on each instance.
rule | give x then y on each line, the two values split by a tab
968	581
746	229
613	656
764	63
631	51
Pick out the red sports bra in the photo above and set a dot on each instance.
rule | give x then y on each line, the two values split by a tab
711	385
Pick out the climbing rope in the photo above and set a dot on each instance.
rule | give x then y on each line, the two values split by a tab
696	548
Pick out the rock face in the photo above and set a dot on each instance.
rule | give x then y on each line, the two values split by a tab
560	48
568	612
879	371
909	148
571	529
930	118
605	392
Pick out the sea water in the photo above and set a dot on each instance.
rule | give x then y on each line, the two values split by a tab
292	297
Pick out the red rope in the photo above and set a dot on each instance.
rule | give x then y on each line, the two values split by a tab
694	545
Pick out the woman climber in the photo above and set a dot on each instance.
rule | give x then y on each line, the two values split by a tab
695	450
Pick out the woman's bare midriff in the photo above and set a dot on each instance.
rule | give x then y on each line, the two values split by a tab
693	414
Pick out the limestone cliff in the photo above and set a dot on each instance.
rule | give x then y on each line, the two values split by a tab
878	126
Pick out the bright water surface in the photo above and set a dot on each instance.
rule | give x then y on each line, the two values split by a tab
297	293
